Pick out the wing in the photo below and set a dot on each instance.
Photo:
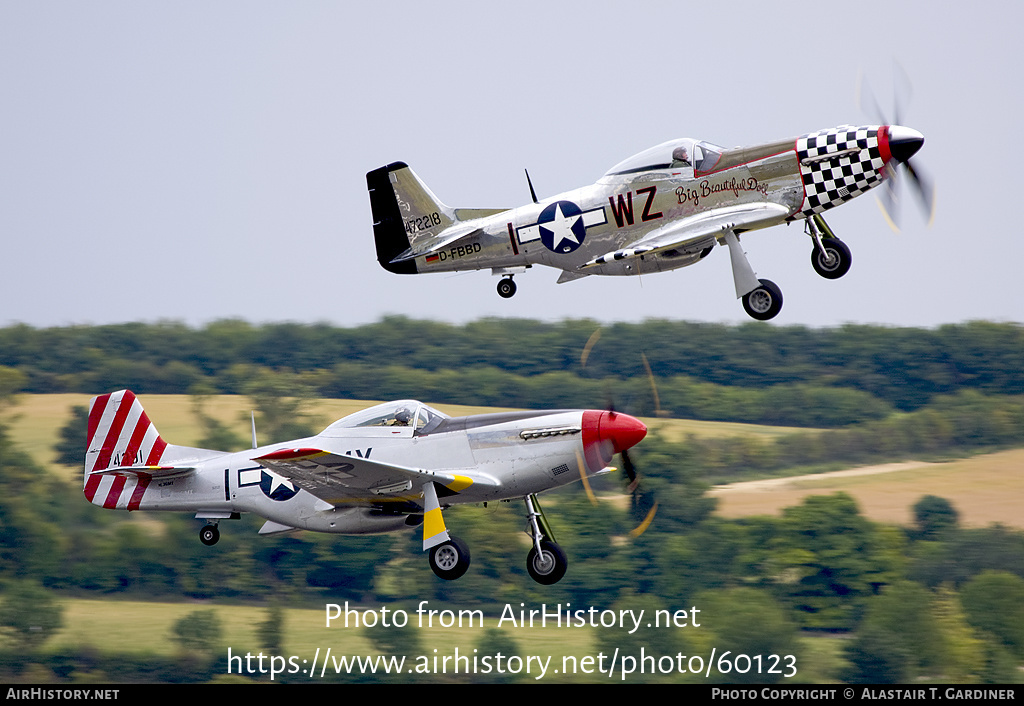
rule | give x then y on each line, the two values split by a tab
698	231
350	480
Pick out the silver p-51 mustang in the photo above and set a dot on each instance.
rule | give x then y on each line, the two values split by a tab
664	208
391	467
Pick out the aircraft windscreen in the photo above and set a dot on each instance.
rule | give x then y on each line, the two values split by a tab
428	419
705	157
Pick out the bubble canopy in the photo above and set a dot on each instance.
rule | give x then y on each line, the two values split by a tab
681	153
394	416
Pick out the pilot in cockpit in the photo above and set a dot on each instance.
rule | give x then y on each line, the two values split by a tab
680	157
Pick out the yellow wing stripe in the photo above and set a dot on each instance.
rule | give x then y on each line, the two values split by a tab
460	483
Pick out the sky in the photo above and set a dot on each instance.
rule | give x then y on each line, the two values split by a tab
196	161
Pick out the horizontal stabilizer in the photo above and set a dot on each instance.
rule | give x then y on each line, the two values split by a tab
569	276
468	214
150	471
435	243
270	527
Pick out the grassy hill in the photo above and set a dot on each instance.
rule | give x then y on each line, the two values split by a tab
984	489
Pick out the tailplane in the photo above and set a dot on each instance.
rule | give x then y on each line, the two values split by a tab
404	211
121	434
124	452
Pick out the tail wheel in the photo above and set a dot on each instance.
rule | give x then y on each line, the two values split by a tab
450	560
506	288
209	535
833	261
765	302
548	565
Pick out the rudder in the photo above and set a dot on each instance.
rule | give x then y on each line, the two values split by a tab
119	434
404	211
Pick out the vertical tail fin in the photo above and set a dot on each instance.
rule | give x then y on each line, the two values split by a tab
120	434
404	210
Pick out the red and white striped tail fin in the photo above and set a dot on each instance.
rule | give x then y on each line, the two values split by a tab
120	434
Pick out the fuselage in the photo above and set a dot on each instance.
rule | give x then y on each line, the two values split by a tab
504	455
649	191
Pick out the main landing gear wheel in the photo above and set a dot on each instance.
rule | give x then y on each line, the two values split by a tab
547	566
765	302
506	288
209	535
834	261
450	560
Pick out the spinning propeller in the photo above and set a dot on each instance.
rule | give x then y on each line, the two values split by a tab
904	142
623	426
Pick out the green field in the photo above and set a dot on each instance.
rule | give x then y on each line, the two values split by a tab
106	624
109	626
984	489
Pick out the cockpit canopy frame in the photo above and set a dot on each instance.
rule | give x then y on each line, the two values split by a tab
400	417
681	153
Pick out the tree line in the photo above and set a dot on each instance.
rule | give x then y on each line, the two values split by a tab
752	372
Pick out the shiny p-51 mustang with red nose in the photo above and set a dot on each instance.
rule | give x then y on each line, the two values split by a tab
664	208
388	468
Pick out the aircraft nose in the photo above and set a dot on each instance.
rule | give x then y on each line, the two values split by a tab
622	430
904	142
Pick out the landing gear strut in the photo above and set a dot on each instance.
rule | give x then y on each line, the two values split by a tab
830	257
762	298
449	556
209	534
546	562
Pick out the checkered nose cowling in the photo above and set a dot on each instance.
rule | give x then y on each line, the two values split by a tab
840	163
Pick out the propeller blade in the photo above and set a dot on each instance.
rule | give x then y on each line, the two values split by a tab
642	527
902	90
639	499
630	470
583	479
866	102
632	479
654	387
925	191
888	200
589	345
904	143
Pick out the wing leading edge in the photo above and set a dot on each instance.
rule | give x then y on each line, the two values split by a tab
698	230
346	480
